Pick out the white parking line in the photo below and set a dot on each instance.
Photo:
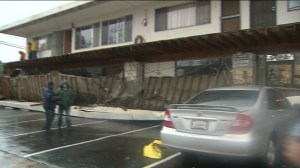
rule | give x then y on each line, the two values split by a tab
85	142
52	129
163	160
21	122
17	115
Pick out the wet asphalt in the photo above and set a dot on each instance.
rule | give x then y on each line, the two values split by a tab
93	143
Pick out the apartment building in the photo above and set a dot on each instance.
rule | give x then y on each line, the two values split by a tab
257	40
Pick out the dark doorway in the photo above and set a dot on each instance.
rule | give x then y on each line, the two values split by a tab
263	13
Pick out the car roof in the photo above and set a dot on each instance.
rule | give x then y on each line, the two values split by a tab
237	87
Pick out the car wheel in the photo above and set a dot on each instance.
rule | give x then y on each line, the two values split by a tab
271	158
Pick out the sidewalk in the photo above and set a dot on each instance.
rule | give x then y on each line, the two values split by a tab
98	112
12	161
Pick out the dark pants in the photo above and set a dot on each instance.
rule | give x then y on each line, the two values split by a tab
32	55
68	117
49	112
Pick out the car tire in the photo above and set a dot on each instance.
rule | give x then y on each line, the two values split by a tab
189	159
271	159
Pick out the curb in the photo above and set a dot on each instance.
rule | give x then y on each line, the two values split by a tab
99	112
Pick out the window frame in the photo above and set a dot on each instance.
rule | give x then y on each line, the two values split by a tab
47	42
94	35
128	28
292	8
163	12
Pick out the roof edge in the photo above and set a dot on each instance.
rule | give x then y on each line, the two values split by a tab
52	12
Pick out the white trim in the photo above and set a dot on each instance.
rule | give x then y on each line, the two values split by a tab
15	115
163	160
22	122
52	129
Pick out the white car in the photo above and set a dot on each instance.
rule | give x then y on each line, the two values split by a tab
239	121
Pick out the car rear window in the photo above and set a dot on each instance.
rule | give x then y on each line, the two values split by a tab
237	98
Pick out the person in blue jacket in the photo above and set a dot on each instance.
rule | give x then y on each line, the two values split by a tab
50	99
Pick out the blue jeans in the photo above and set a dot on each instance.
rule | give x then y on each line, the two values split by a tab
68	117
49	112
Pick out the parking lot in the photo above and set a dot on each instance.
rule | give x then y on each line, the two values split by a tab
90	144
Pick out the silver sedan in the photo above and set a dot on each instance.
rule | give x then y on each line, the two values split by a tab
243	121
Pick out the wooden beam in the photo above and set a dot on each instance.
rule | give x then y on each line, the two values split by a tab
216	40
208	43
285	34
272	36
260	37
237	39
228	40
248	38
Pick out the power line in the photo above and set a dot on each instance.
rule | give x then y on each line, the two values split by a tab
11	45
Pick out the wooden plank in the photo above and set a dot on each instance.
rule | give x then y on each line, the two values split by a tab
148	91
171	88
194	86
204	82
26	89
33	88
212	81
187	88
220	81
158	88
163	93
39	86
179	89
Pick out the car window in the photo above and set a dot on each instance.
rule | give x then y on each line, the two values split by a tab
237	98
276	100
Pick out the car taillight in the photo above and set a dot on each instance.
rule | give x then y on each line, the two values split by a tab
242	124
167	120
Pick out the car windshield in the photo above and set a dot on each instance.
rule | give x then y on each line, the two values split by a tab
237	98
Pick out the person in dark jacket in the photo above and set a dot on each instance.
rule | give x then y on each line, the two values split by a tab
292	145
50	99
66	100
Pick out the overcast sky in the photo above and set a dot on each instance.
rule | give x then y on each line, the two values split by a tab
12	11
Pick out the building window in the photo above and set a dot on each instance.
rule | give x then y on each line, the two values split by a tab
117	30
190	14
44	43
293	4
88	36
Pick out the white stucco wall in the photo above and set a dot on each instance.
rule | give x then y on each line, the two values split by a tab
245	14
150	35
284	16
147	11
